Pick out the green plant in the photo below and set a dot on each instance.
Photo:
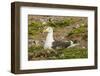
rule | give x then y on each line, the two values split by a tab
35	48
79	30
35	28
66	53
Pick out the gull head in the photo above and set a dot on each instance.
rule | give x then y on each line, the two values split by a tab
48	30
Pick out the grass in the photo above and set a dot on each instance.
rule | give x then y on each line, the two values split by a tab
70	53
36	26
38	53
80	30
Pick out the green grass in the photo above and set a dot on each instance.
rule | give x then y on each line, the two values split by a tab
80	30
38	53
70	53
36	27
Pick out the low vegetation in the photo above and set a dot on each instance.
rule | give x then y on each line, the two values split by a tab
38	53
65	28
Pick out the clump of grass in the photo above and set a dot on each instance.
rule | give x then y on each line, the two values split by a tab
70	53
60	23
36	27
38	53
80	30
35	48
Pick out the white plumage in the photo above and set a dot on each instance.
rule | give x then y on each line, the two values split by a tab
51	43
49	38
72	44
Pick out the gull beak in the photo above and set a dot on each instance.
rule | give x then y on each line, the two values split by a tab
44	31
